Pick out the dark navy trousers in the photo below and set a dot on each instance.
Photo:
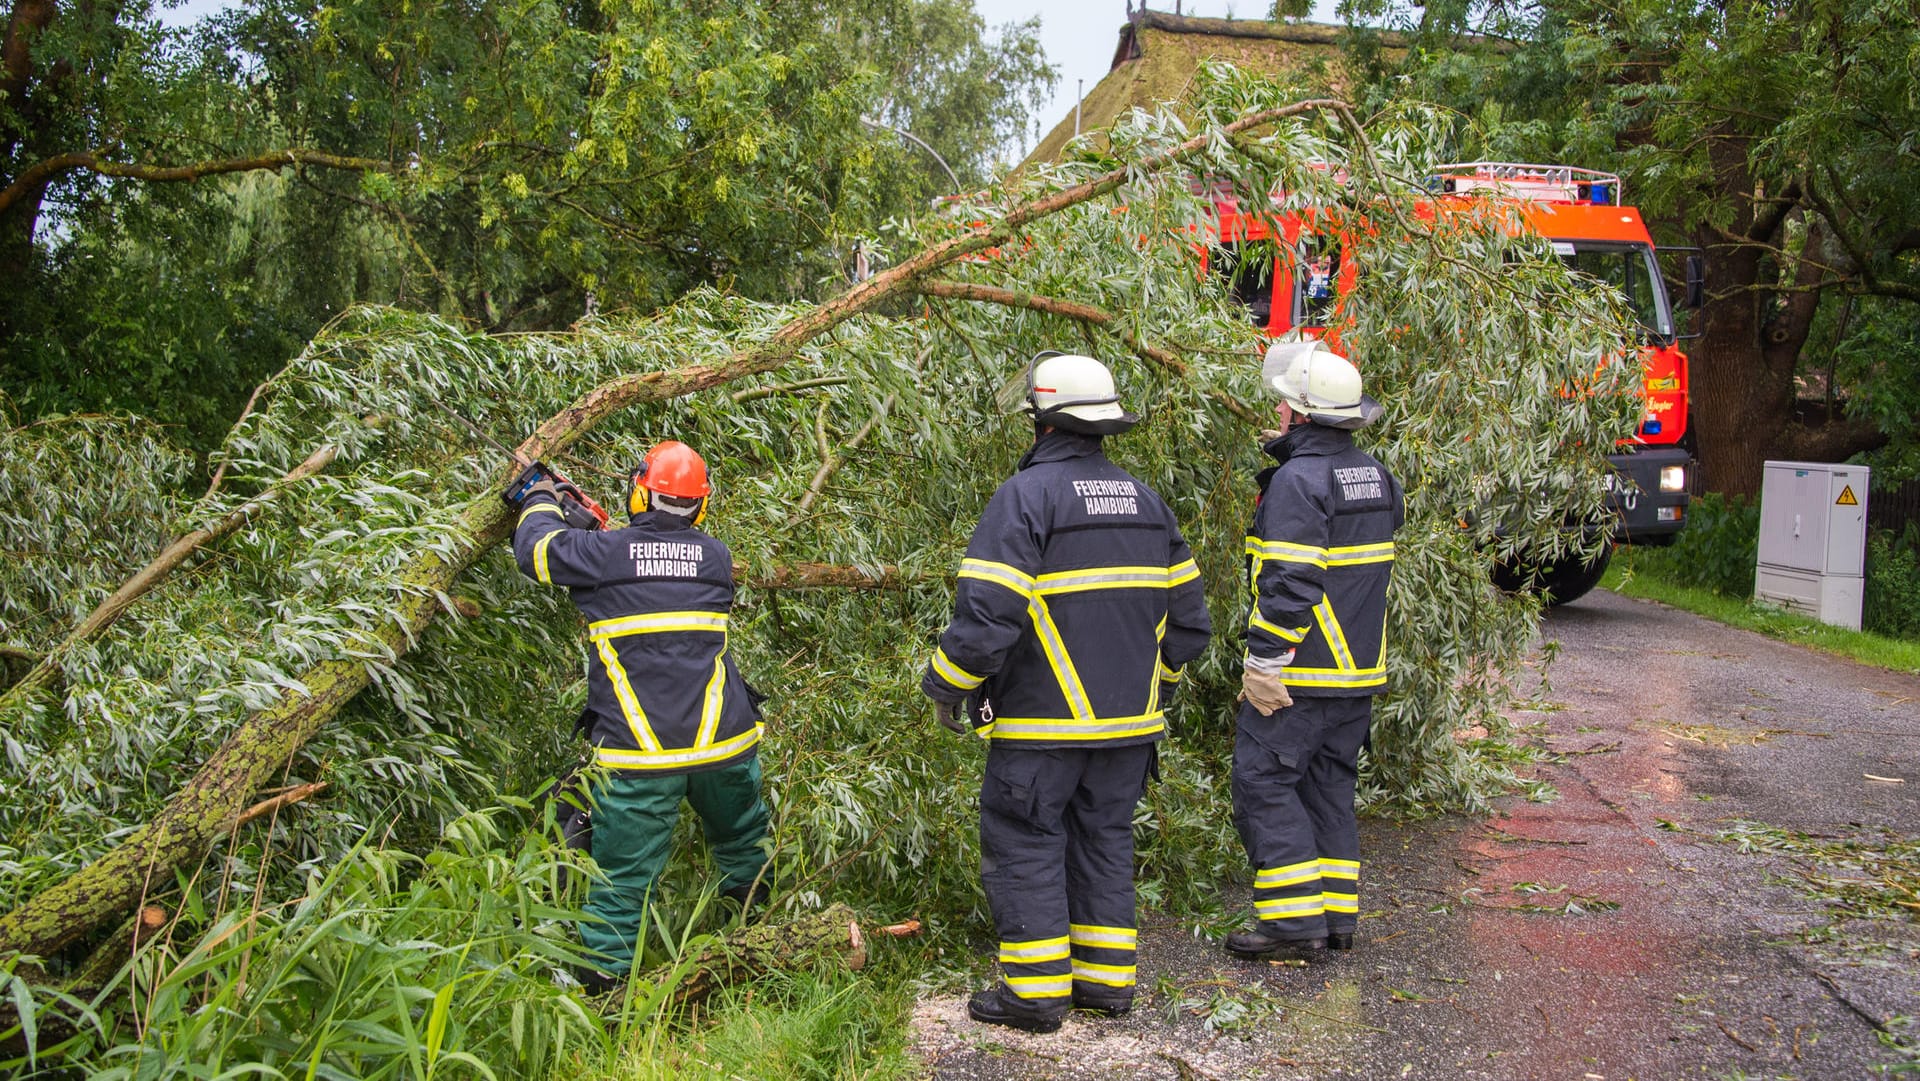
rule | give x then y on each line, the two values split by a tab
1293	781
1056	859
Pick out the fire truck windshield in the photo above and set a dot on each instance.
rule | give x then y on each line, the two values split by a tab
1630	269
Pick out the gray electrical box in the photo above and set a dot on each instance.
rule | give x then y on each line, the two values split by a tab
1813	539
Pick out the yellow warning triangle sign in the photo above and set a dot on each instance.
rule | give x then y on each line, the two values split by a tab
1846	497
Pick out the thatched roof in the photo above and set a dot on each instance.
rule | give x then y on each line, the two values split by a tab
1159	53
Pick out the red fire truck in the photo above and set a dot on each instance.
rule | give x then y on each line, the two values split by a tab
1293	275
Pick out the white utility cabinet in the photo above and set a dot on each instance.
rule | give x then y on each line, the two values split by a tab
1813	539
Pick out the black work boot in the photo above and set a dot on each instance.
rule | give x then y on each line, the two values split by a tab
1111	1005
993	1007
595	983
1256	945
1340	940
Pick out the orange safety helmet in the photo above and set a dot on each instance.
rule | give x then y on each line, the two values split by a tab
670	468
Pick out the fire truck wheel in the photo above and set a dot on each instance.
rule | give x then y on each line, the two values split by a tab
1559	583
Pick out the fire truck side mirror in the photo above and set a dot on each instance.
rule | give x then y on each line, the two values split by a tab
1696	281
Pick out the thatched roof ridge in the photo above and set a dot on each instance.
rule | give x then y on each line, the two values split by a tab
1301	33
1158	53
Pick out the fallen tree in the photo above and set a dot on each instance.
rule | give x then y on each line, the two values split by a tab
193	819
339	587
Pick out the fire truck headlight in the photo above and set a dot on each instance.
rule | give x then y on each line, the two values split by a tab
1673	478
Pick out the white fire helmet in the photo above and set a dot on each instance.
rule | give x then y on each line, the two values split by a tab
1075	393
1319	383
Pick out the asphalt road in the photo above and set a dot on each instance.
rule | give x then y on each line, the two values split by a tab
1622	930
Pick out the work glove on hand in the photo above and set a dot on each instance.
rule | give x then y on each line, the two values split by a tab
1260	684
542	487
952	715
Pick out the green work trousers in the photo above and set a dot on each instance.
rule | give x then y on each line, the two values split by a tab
633	818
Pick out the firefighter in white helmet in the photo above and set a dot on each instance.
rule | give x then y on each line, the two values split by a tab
1076	606
1319	555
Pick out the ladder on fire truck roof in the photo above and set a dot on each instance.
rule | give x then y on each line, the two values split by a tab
1525	180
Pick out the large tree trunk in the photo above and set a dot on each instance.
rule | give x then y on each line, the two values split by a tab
832	934
1742	378
182	833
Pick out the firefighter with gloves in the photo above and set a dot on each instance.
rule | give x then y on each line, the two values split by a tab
667	711
1076	606
1319	556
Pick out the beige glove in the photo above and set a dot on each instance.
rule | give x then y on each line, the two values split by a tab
1264	690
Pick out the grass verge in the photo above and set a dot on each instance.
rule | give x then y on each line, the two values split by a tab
1898	654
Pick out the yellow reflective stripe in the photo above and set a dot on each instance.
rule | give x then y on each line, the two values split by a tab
1040	949
1092	934
1111	975
999	574
1336	639
623	758
1281	908
1068	728
1181	573
1254	620
540	571
1055	648
1333	677
657	623
1287	552
1355	554
1169	675
944	667
713	701
1330	868
623	693
1101	578
1153	686
536	509
1290	875
1341	902
1040	986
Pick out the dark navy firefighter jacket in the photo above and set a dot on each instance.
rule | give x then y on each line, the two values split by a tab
1318	559
1076	600
663	695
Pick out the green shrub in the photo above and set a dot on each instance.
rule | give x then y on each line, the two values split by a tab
1891	605
1715	551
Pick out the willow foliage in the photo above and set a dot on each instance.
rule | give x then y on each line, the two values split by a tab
1490	358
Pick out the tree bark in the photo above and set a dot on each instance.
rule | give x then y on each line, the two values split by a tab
830	934
1741	404
42	173
827	576
183	831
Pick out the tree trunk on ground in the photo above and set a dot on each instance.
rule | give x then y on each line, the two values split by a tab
817	937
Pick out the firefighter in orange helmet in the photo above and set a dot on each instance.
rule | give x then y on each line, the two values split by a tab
668	713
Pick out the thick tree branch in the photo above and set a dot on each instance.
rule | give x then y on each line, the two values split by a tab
183	831
828	576
42	172
1085	313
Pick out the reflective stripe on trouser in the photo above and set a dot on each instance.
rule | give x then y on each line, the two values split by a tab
1293	781
1056	859
633	820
